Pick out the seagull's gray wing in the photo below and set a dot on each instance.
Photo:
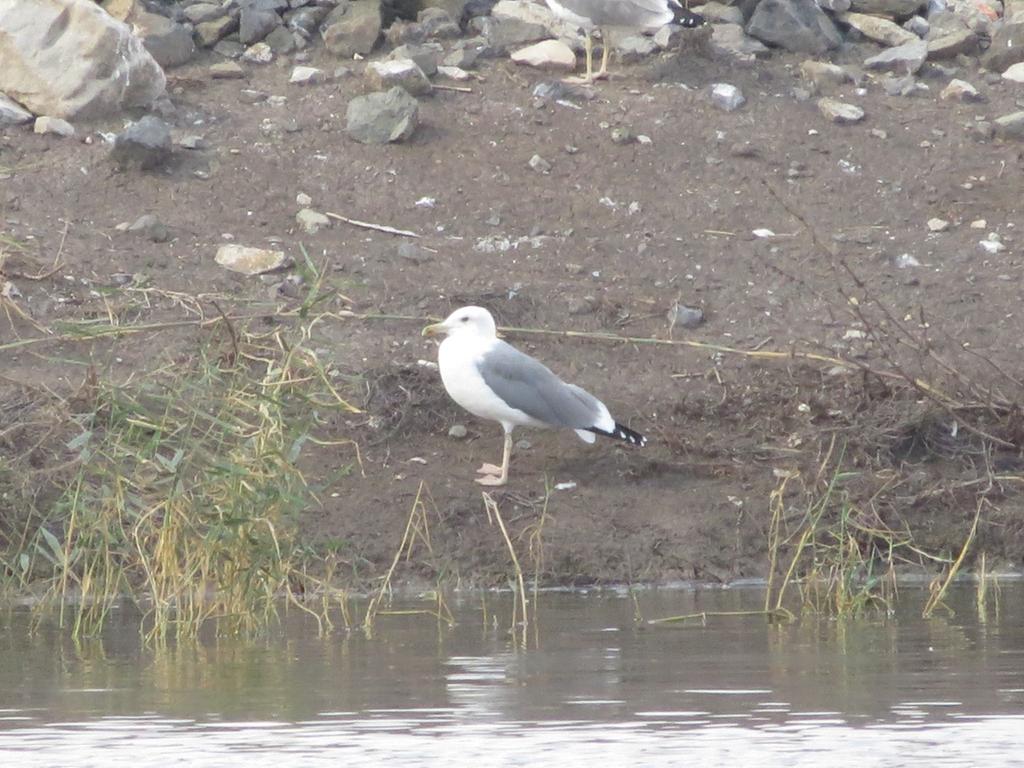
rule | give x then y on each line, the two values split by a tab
530	386
621	13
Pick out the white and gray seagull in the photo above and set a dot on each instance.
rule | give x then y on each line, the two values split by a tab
494	380
603	14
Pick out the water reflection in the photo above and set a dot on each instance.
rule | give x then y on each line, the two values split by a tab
896	691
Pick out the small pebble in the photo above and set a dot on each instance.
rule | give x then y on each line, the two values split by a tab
457	431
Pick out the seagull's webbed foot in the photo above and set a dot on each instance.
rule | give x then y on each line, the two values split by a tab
489	469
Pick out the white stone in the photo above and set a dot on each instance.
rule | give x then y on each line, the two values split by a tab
248	260
547	54
305	76
938	225
70	59
311	221
303	199
979	224
991	246
726	96
404	73
259	53
1015	74
839	111
54	126
453	73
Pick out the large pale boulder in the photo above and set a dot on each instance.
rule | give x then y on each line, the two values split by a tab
71	59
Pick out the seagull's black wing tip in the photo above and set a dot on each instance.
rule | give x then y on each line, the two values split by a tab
623	433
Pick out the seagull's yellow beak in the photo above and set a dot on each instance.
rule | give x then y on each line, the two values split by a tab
433	330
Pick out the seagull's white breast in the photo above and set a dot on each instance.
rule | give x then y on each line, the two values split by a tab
457	359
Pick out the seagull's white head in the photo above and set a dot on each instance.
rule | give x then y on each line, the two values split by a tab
472	321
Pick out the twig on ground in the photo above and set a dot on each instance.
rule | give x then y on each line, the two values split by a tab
370	225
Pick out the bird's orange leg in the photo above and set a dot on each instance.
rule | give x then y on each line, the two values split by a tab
501	477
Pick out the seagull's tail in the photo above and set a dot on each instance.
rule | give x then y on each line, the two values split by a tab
620	432
685	17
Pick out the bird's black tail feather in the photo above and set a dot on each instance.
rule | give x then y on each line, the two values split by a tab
686	18
622	433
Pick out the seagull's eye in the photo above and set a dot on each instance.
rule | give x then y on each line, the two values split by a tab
465	319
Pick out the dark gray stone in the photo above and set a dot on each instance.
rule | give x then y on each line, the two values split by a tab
144	145
167	41
903	59
796	25
281	40
352	28
1007	48
382	117
426	55
255	24
1010	126
685	317
503	34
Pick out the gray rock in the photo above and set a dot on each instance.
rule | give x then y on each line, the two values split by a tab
1007	48
835	6
840	112
1010	126
715	12
278	6
887	7
919	25
168	42
192	141
906	85
197	13
258	53
311	221
682	316
53	126
458	432
352	28
426	55
438	23
305	76
226	70
252	96
960	90
1015	74
229	49
151	228
823	74
12	113
255	24
414	253
539	164
634	48
903	59
209	33
731	41
726	96
952	45
306	19
145	144
281	40
463	58
379	118
503	34
796	25
403	73
878	29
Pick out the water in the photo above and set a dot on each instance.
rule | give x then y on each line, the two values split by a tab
592	686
